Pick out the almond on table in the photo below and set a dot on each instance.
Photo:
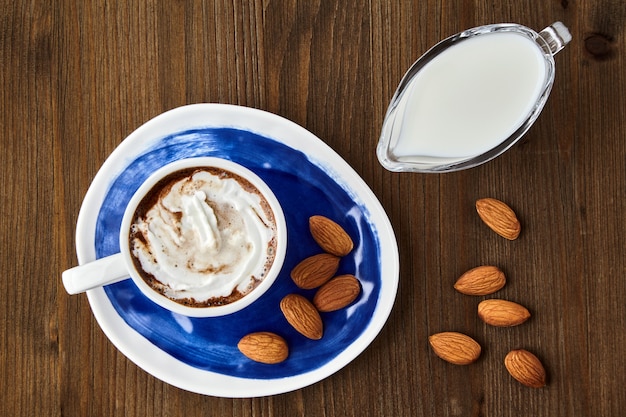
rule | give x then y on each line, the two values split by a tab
499	217
526	368
482	280
454	347
502	313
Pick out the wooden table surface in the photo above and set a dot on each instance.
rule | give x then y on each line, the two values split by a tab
78	77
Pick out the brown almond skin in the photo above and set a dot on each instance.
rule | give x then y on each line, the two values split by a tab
264	347
302	315
330	236
526	368
482	280
499	217
454	347
337	293
502	313
315	270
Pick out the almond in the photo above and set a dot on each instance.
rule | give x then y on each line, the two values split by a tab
455	348
482	280
264	347
315	270
526	368
502	313
302	315
330	236
499	217
337	293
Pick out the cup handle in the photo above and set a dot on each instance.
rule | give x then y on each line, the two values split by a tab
103	271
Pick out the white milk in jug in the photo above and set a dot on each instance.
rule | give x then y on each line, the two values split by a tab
470	98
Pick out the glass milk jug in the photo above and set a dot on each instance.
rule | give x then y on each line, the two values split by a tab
470	98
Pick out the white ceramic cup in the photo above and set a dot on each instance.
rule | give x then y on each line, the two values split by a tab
121	266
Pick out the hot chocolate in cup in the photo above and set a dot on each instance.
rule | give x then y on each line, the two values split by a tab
201	237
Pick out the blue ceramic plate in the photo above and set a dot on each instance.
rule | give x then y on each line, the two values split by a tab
308	178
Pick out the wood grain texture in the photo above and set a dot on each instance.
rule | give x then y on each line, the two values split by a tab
78	77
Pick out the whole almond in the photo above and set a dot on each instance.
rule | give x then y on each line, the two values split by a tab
455	348
264	347
302	315
330	236
499	217
337	293
482	280
502	313
526	368
315	270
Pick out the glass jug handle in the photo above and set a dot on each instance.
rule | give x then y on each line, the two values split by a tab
556	36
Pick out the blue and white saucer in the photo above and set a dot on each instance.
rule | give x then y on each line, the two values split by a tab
307	177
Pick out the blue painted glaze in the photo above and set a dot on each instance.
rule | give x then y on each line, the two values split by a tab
303	189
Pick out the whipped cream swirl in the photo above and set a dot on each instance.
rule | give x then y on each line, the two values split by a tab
203	237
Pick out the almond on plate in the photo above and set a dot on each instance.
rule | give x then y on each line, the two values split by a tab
482	280
315	270
302	315
502	313
330	236
337	293
526	368
499	217
264	347
455	347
